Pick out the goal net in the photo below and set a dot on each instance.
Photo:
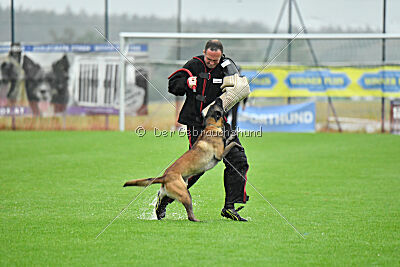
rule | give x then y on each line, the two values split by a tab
354	70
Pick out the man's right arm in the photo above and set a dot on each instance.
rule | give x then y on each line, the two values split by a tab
178	83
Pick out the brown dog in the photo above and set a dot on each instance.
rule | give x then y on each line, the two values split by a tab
206	152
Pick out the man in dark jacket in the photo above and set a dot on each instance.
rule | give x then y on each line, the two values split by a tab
200	80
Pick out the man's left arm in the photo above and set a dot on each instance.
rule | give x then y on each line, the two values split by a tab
229	67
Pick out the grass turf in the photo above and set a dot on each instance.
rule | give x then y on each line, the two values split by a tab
60	189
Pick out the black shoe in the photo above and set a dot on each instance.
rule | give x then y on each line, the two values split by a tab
232	214
161	207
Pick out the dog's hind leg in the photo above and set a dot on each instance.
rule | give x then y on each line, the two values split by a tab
178	190
186	200
160	195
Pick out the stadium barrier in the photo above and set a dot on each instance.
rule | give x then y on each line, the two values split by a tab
395	116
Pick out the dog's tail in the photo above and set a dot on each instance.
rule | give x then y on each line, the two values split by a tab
145	182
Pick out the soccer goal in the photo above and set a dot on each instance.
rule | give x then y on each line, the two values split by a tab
283	68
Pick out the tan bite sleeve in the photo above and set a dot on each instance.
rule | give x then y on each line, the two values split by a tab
235	89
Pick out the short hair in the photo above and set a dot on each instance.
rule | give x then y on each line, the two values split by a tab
214	45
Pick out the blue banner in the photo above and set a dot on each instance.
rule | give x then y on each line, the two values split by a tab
76	48
288	118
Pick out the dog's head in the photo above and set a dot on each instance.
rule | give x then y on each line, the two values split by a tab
45	84
215	114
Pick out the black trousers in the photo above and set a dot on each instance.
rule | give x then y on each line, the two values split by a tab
234	113
236	167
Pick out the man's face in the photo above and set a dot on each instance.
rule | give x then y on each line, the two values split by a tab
212	58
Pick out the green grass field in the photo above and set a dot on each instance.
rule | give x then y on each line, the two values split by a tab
60	189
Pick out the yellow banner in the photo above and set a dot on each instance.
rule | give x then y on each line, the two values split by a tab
302	81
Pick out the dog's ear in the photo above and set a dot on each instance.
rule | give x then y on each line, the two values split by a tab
30	67
61	65
27	63
218	101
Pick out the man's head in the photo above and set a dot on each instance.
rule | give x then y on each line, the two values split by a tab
213	53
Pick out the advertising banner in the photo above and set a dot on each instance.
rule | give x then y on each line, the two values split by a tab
302	81
288	118
72	79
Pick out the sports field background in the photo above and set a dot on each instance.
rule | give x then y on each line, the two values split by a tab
365	114
60	189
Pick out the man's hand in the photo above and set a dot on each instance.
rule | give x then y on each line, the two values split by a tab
228	81
192	82
235	89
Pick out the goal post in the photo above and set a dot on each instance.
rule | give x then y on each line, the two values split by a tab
257	58
395	116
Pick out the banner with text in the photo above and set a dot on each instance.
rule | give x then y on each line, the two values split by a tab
289	118
70	79
302	81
